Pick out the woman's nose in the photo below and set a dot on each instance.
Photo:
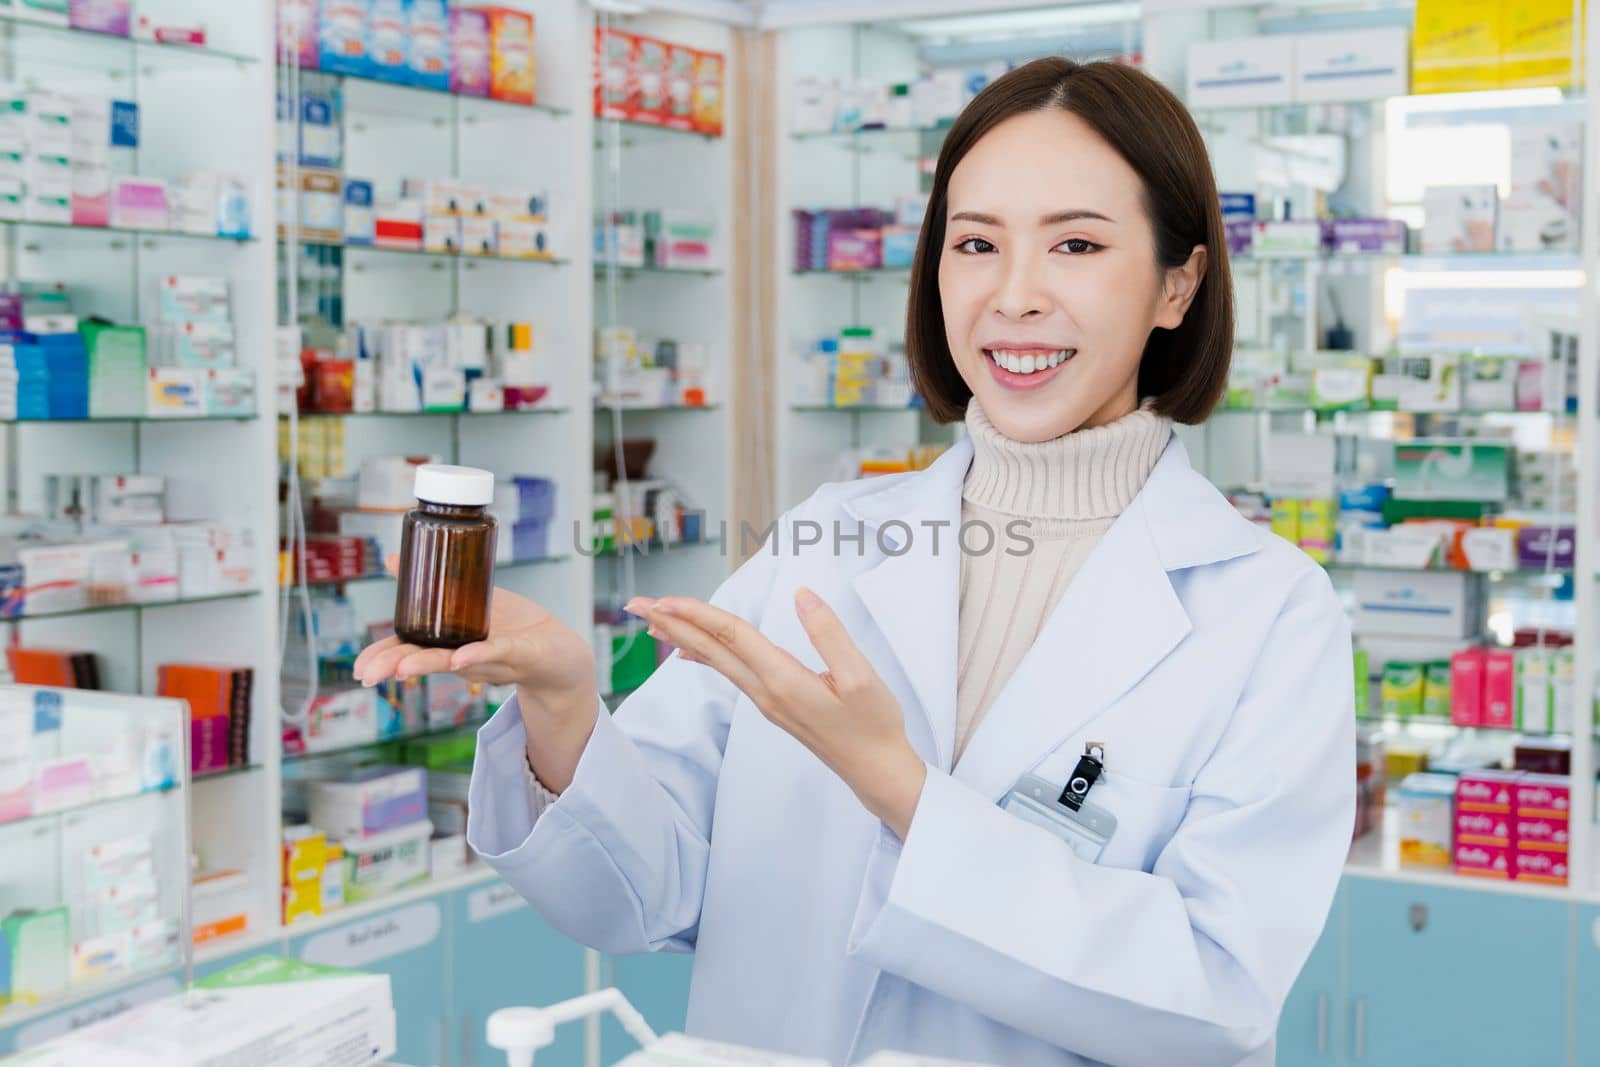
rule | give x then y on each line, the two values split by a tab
1022	293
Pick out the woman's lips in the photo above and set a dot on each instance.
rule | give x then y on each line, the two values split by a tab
1026	368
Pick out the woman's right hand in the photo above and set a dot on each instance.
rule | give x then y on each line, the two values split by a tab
551	666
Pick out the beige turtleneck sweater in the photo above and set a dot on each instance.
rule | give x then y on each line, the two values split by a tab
1069	490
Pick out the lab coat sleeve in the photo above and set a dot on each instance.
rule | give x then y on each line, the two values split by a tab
618	860
1187	964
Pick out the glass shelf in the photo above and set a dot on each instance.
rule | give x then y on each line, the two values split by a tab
1489	261
648	131
553	410
509	565
15	27
669	408
1555	573
602	270
101	609
1423	720
418	253
856	408
855	275
361	746
508	106
875	131
1330	412
111	420
226	772
114	231
90	805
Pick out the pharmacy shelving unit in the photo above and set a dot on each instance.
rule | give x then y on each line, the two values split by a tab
833	171
639	168
216	469
1394	925
391	132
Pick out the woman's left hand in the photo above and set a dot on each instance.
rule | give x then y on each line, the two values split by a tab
846	716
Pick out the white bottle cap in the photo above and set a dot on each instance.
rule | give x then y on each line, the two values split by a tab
440	483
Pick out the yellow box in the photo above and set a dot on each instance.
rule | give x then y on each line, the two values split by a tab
302	902
1456	45
304	857
1536	44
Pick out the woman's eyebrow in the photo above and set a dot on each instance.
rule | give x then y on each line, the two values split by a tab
1055	218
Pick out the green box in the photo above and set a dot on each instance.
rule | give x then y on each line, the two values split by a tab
632	665
1452	470
1436	690
435	752
1402	690
1363	685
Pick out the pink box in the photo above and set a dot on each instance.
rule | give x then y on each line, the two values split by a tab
208	744
1499	687
1549	868
1466	687
1488	792
1484	828
101	16
1549	795
1539	833
1484	861
139	204
470	48
855	249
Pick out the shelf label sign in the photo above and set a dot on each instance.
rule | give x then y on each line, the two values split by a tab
490	901
35	1034
378	938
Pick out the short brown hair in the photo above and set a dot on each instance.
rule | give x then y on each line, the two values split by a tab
1184	370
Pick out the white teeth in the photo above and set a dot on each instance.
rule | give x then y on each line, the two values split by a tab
1030	363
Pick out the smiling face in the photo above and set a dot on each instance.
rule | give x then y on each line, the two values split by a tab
1049	279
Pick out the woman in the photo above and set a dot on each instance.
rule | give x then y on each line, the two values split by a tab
822	793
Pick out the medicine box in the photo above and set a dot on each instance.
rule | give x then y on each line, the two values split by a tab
1452	470
1484	828
1459	218
373	800
374	865
1548	868
512	70
1424	604
1499	688
470	47
1483	861
342	37
1487	792
1425	820
428	44
1244	72
1547	795
1456	46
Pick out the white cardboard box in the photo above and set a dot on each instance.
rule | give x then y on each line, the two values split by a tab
1240	73
1443	604
1459	218
1369	65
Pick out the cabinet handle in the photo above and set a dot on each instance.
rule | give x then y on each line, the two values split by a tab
1361	1028
1322	1024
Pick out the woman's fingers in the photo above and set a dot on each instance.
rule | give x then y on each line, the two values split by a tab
372	652
424	661
849	667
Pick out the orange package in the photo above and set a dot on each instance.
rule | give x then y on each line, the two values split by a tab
512	67
708	93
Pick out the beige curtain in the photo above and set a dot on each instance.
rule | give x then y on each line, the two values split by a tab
754	279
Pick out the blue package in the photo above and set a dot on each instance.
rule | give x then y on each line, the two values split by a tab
46	711
1238	205
1368	498
359	220
428	61
320	144
387	44
124	124
899	247
342	37
11	606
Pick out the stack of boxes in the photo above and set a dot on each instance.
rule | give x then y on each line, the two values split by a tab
657	83
1539	215
649	372
859	238
1513	825
378	816
523	508
193	355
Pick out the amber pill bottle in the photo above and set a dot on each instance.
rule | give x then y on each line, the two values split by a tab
446	559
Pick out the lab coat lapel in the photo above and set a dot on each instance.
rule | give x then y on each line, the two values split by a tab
913	595
1118	618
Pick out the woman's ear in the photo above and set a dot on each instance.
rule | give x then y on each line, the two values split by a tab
1178	288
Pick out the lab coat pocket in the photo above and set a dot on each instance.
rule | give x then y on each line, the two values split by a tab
1147	816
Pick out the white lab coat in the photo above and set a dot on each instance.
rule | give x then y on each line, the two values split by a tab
1211	659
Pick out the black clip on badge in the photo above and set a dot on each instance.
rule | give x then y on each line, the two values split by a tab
1090	766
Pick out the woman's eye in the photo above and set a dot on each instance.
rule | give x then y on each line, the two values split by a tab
975	245
1077	246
